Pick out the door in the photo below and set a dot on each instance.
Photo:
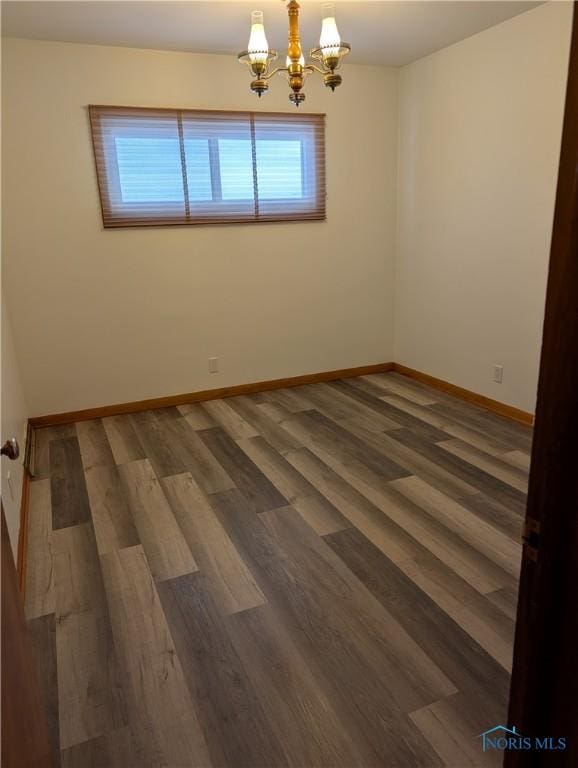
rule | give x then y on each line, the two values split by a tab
25	742
544	691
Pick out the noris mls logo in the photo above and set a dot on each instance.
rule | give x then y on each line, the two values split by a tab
503	738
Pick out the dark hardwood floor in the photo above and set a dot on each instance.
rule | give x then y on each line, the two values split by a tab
318	576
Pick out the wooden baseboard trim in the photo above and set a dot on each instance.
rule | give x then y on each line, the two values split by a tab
207	394
21	559
508	411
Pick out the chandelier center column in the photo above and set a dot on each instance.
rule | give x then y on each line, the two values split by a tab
294	47
294	55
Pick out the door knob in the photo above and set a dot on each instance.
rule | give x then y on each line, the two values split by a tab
10	449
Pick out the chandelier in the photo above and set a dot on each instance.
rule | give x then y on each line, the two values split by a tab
329	54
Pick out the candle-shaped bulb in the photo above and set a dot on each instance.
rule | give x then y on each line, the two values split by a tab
258	47
329	41
301	61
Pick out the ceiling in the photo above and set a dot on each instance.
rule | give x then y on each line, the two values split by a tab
389	33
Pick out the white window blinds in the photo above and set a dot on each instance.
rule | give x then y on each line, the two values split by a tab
163	167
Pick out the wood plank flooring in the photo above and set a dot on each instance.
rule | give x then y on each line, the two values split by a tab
323	576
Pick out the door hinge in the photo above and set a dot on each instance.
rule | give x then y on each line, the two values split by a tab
531	538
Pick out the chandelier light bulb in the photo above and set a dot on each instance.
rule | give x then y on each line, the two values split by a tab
329	41
258	47
301	61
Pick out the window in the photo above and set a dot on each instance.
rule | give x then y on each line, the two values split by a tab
168	166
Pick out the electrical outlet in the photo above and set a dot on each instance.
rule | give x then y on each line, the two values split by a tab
213	365
498	373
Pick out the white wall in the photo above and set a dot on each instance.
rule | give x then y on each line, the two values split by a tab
13	418
480	128
114	316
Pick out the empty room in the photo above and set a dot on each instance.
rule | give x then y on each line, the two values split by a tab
289	384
